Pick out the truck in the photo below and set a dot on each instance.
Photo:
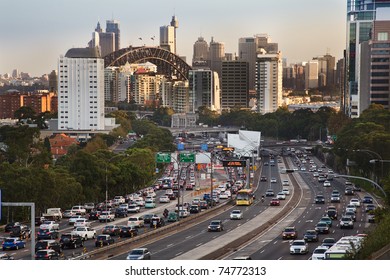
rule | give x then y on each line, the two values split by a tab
106	216
54	214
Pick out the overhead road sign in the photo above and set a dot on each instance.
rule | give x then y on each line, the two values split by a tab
163	158
187	157
234	163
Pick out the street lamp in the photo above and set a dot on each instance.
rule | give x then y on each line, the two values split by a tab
374	153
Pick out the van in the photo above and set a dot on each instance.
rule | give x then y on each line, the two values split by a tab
135	221
79	210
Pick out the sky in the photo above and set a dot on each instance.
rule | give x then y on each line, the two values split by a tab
34	33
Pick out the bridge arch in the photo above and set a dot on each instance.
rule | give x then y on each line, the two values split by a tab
168	64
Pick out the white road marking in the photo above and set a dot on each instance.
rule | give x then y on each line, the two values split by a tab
169	245
188	237
262	251
179	253
197	245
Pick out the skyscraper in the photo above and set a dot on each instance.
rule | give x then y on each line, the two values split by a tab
112	26
216	55
269	81
360	17
234	84
81	90
201	53
168	35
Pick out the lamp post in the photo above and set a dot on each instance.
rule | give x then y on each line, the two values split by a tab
374	153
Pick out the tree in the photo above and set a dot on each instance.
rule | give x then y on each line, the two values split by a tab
24	112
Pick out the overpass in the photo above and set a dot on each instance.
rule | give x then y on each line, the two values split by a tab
200	129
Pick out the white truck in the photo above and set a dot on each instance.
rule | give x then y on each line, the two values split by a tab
53	214
106	216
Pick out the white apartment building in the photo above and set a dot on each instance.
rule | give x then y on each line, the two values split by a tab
311	74
81	90
269	70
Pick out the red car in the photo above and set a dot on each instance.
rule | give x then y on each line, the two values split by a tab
274	202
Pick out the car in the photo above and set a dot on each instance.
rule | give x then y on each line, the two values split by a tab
215	225
319	199
273	180
48	244
367	200
5	256
319	253
194	209
104	240
351	214
266	163
335	198
310	235
263	179
326	183
346	222
46	254
94	215
44	234
328	242
139	254
13	243
136	221
148	217
269	192
285	183
326	219
236	215
85	232
149	203
350	207
126	231
371	218
112	230
172	217
223	195
355	201
369	208
316	174
321	179
50	225
21	231
121	213
322	227
164	199
69	240
203	204
79	210
73	219
281	196
106	216
286	191
274	202
67	214
299	246
290	233
332	213
83	222
183	213
349	191
156	222
133	208
89	206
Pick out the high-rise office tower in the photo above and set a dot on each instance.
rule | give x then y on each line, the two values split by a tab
53	81
326	66
360	17
168	35
269	81
216	55
112	26
201	53
234	84
81	90
249	47
311	74
204	90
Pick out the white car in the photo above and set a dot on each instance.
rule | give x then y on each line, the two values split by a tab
51	225
223	195
286	191
355	201
273	180
83	222
73	219
133	208
183	213
281	196
299	246
319	253
164	199
124	206
285	183
85	232
139	201
316	174
67	213
326	183
135	221
351	208
236	215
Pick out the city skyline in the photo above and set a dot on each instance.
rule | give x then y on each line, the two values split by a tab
34	34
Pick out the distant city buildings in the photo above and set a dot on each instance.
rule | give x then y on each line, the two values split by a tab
108	41
168	35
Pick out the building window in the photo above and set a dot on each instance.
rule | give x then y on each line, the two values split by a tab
383	36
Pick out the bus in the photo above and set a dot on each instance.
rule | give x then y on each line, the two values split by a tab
244	197
345	248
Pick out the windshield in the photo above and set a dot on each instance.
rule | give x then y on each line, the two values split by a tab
136	252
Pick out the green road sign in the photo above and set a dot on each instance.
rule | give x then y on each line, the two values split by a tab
187	157
163	158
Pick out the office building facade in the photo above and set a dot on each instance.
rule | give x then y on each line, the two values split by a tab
235	85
